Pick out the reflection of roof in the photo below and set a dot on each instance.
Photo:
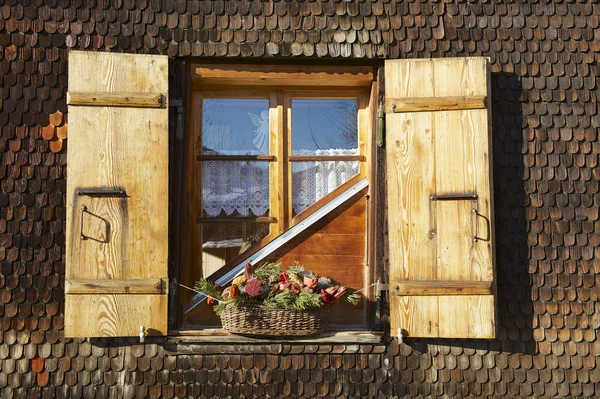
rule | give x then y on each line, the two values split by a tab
235	242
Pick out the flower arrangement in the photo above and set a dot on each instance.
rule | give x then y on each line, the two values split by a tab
294	289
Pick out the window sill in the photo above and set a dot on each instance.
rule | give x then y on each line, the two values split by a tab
218	341
221	336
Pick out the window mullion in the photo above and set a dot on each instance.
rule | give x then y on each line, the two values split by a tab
278	169
287	150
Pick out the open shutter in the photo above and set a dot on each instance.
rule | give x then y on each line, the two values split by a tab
117	195
439	197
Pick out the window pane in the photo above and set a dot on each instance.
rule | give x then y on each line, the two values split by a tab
222	242
235	126
235	188
319	126
311	181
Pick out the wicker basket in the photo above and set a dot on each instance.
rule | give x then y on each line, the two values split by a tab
260	320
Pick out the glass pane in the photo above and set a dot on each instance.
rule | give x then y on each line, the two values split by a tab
235	188
324	127
235	126
311	181
222	242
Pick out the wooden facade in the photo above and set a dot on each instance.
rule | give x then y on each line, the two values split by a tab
545	119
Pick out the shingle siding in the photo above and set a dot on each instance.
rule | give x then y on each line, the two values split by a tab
545	86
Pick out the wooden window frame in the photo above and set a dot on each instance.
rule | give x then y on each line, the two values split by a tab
280	84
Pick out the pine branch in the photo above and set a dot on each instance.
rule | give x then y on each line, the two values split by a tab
308	300
267	270
208	288
352	298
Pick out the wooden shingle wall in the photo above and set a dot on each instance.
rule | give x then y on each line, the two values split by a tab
544	59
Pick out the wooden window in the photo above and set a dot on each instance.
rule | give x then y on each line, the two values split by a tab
440	198
271	145
438	165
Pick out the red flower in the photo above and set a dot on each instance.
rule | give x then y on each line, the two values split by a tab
327	297
254	287
210	300
310	282
248	270
284	281
340	292
232	291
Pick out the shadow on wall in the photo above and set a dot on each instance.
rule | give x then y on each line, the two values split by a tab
514	321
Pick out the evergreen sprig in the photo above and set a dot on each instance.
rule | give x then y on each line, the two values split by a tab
352	298
267	270
297	270
290	301
208	288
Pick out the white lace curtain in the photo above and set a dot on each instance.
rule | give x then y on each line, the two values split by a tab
243	186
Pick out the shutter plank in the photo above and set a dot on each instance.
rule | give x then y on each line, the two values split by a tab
446	153
409	216
114	315
125	237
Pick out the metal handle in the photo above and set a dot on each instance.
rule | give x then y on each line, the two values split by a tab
83	210
453	197
101	192
487	227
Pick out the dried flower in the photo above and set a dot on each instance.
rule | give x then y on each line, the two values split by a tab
324	282
254	287
232	291
340	292
239	280
310	282
249	271
295	279
293	289
328	298
284	281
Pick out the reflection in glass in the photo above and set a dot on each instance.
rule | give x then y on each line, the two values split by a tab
223	241
234	126
324	125
238	188
311	181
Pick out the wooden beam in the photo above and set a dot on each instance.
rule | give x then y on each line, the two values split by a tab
116	286
437	287
426	104
138	100
282	75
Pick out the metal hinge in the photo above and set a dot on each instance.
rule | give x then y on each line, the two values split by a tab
382	287
177	103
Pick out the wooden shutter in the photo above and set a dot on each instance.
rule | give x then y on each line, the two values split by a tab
117	195
439	197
